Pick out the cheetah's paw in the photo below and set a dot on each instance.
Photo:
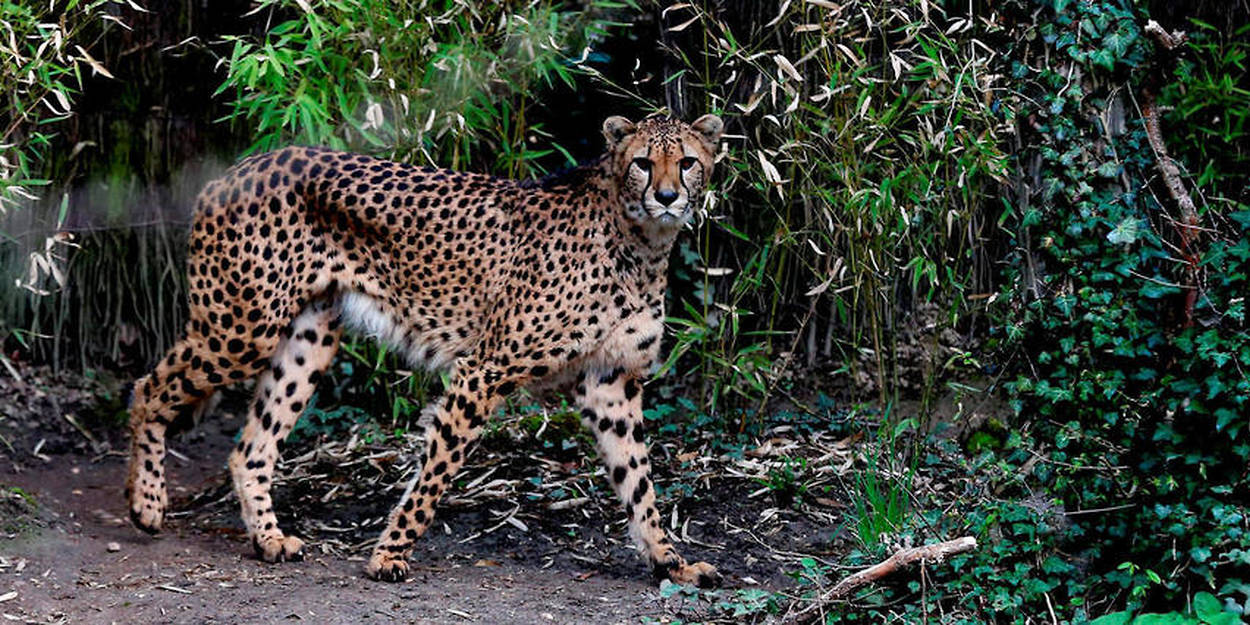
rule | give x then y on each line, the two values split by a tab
279	548
700	574
387	567
146	512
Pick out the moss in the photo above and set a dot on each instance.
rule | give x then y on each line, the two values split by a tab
18	510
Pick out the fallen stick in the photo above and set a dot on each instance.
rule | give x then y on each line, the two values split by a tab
81	430
901	559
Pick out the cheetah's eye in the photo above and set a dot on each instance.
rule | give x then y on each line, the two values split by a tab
688	162
643	163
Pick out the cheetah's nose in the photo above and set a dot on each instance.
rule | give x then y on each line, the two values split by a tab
666	197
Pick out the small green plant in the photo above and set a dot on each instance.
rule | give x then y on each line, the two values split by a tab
317	422
725	372
1140	580
373	378
559	431
810	572
17	507
881	496
26	498
788	481
728	605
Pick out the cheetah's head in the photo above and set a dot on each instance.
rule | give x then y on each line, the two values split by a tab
662	166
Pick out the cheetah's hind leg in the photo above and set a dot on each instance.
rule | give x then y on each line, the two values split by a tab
282	393
168	398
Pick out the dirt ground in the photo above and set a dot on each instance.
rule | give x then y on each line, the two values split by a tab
534	535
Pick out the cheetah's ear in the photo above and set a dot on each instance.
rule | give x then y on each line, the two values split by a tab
710	127
615	129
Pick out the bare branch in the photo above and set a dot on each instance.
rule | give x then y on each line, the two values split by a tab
1188	227
901	559
1165	39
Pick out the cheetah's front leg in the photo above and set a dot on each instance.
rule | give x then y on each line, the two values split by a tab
457	423
612	408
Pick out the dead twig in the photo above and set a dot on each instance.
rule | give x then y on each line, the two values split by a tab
901	559
1166	39
81	430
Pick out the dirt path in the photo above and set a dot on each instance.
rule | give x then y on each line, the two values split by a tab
504	555
76	561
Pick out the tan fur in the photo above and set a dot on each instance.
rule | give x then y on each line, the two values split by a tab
558	283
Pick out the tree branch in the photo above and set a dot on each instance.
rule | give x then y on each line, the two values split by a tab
1187	228
901	559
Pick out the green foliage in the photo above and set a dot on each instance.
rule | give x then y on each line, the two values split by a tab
787	481
881	496
745	373
1206	611
376	382
1136	402
318	421
446	84
728	605
20	493
41	59
1209	119
862	152
43	54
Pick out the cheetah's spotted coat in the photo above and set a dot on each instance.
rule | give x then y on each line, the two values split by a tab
506	284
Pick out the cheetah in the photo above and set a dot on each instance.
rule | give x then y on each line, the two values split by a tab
556	284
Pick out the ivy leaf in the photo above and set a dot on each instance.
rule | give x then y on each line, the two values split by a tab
1164	619
1118	41
1241	217
1152	290
1224	619
1124	232
668	589
1109	169
1067	39
1209	610
1223	417
1115	618
1102	57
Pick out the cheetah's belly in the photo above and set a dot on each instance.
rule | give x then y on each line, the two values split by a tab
633	346
434	350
